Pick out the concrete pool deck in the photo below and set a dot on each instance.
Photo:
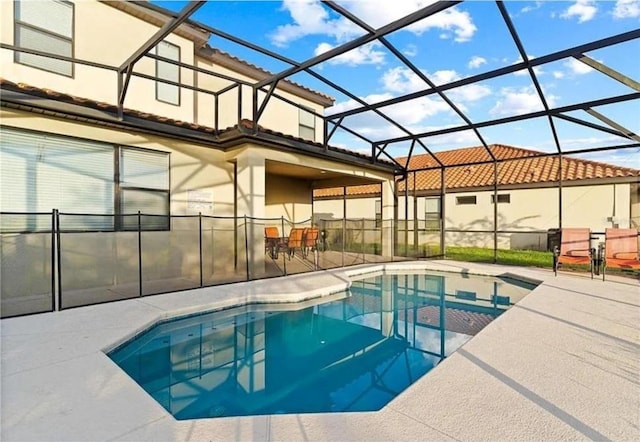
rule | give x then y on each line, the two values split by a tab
562	364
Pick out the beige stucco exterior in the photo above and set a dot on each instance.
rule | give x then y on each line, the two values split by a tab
94	40
287	197
532	210
278	115
235	182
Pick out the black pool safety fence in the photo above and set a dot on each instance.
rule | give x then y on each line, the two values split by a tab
53	261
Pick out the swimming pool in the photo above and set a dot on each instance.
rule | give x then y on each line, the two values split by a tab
355	352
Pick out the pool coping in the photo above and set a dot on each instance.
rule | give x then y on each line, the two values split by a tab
43	357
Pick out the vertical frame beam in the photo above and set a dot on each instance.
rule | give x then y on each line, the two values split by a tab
443	211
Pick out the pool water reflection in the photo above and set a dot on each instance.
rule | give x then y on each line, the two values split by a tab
352	354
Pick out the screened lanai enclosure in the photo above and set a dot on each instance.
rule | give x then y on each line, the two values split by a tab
496	131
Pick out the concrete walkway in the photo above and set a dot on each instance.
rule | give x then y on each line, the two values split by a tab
563	364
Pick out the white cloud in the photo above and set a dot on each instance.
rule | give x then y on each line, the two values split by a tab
366	54
402	80
411	50
311	18
520	101
577	67
558	74
476	62
585	10
378	13
626	9
412	114
629	157
530	8
471	92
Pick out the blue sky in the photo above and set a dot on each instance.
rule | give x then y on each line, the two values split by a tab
462	41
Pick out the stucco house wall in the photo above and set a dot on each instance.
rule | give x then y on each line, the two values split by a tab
529	210
95	40
94	25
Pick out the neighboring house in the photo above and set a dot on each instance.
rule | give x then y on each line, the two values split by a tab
592	194
181	147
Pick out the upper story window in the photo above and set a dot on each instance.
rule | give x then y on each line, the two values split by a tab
165	92
307	125
45	26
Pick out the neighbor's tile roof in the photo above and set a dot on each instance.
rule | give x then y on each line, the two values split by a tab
522	170
457	320
245	127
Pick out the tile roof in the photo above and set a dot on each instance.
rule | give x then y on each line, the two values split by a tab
99	105
215	54
521	170
245	127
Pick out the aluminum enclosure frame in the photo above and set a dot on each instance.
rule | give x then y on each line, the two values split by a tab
335	121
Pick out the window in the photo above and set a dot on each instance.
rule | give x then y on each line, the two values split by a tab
465	200
432	212
307	125
40	172
378	213
44	26
502	198
168	93
144	187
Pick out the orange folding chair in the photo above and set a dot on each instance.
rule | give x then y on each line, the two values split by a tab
311	235
575	248
271	240
295	241
621	250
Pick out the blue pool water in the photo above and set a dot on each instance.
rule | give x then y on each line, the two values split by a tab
354	353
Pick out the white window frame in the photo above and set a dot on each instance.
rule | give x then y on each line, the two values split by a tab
18	57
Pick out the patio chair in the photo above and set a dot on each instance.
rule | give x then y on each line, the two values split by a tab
311	235
575	248
271	240
293	242
621	250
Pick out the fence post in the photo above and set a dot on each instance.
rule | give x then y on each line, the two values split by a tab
139	254
362	241
200	243
284	259
56	264
344	236
246	247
